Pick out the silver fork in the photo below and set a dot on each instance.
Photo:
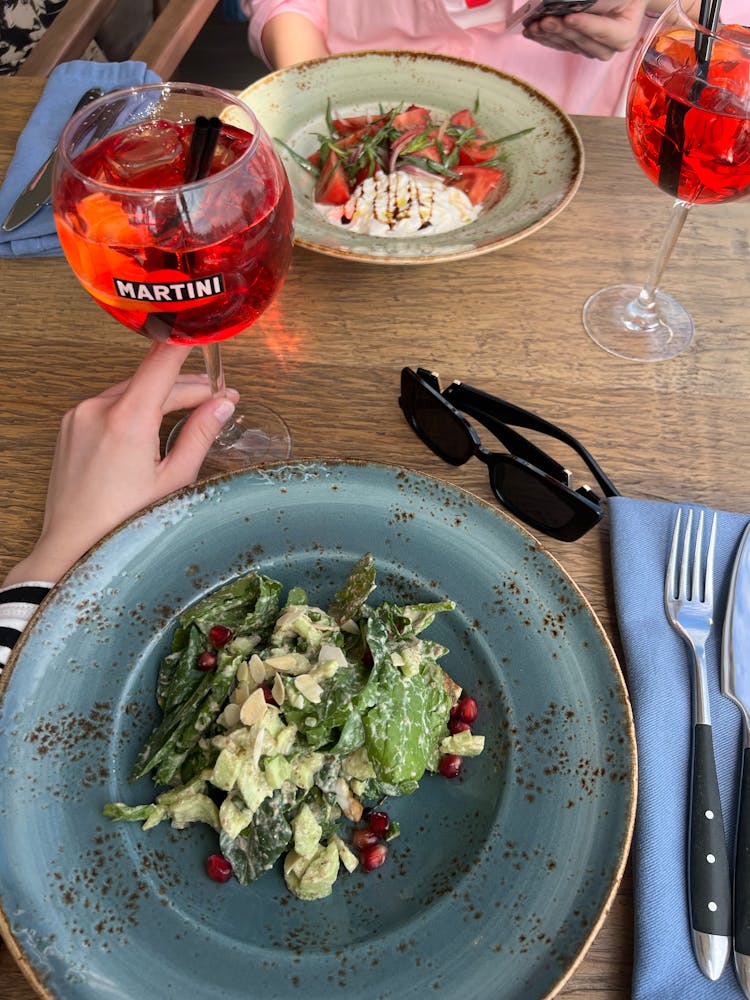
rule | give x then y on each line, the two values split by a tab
689	606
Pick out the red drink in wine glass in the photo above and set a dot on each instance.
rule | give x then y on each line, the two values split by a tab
688	120
703	125
175	259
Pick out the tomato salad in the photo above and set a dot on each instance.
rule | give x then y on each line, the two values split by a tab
453	155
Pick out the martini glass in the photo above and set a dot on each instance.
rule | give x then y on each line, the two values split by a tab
175	214
688	120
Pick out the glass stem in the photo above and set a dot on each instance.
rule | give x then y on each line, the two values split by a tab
642	313
676	222
230	432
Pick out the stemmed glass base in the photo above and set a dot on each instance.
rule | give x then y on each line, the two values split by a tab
642	323
256	434
617	319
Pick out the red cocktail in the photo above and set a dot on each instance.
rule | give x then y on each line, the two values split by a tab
711	146
688	120
177	259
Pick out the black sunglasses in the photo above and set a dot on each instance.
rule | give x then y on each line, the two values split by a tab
528	482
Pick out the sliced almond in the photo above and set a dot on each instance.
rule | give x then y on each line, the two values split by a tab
240	694
309	687
256	669
278	690
230	717
254	708
243	673
397	659
288	663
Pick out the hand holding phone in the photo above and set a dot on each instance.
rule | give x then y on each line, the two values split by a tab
535	10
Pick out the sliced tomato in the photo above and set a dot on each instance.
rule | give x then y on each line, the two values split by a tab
314	158
482	185
345	126
463	119
413	118
332	187
476	150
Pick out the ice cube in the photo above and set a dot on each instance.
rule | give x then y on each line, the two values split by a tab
150	155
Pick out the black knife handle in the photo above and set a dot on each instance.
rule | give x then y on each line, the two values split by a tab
742	863
710	886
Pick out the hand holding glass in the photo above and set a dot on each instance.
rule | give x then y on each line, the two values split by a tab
179	260
688	120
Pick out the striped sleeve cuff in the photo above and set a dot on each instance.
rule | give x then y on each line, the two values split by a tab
17	604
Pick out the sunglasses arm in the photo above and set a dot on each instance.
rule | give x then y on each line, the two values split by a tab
467	398
518	445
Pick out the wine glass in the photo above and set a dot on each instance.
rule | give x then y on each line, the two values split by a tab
688	120
175	214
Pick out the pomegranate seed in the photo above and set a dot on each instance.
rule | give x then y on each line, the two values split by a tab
364	837
379	822
219	635
467	710
218	868
373	857
267	694
206	661
450	765
457	726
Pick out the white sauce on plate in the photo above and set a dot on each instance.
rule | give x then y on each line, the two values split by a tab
401	204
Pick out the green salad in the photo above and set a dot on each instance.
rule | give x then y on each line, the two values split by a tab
281	721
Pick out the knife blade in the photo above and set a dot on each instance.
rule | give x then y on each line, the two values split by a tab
39	189
735	685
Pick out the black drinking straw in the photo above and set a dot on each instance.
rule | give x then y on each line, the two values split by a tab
202	145
670	154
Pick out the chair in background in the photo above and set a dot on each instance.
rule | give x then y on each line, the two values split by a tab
176	24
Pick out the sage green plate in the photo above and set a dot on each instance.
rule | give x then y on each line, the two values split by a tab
544	168
500	879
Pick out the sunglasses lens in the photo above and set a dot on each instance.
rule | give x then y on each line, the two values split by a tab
438	426
542	503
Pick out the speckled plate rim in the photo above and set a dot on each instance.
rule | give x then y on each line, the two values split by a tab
382	250
316	467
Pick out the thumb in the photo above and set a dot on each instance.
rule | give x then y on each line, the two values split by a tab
196	436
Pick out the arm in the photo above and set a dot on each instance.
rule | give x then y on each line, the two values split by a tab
107	462
290	38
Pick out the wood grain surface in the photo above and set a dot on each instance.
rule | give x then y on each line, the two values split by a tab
328	353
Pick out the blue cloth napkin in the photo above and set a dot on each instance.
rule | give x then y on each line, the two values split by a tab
64	88
659	675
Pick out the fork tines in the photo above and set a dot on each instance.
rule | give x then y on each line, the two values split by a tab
699	590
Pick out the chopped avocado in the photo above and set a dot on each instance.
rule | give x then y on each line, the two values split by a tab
307	832
316	882
277	770
226	770
234	817
304	768
465	744
349	859
196	809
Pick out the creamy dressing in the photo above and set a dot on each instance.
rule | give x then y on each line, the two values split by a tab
401	204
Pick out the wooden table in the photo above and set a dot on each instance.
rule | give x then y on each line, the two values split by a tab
328	354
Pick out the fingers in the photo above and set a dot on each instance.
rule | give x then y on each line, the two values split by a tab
185	458
597	36
156	375
188	394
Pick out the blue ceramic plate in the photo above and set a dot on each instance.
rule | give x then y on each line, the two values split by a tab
500	879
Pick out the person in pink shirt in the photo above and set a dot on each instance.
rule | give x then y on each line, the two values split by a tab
584	68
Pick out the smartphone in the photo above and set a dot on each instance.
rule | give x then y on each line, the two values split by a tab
534	10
